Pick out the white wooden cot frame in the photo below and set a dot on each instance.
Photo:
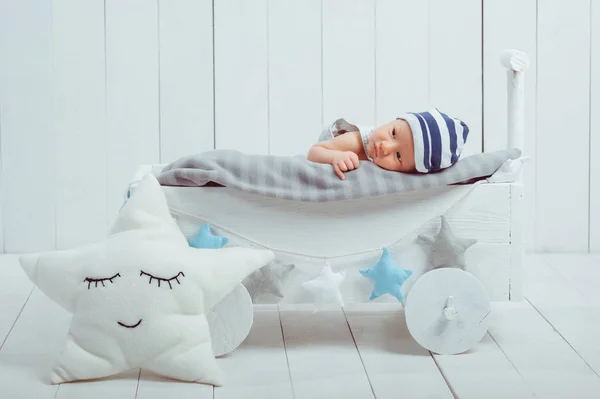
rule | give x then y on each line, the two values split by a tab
350	234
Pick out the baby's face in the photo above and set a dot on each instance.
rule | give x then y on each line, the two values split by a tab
391	146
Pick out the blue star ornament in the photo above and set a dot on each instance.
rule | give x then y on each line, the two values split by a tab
387	277
205	239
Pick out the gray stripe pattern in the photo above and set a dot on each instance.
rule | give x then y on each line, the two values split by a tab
296	178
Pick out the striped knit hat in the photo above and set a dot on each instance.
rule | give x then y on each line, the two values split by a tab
439	139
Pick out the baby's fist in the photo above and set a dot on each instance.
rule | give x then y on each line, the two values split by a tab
344	161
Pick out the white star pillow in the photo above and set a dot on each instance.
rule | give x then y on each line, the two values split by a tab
139	298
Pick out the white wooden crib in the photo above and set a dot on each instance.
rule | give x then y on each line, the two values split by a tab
446	310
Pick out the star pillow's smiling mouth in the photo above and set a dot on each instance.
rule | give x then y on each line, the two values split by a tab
133	326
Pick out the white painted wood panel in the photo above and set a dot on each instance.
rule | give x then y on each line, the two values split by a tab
15	289
401	58
241	75
1	195
152	386
490	263
562	173
132	93
581	271
348	61
80	121
258	368
295	119
546	361
455	64
322	355
392	358
503	28
27	357
483	372
278	80
121	386
543	282
594	149
517	246
186	78
574	315
580	326
27	146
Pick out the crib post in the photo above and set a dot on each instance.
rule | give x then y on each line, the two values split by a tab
517	63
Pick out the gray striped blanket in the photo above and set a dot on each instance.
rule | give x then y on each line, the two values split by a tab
299	179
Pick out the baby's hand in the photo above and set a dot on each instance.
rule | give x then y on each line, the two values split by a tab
344	161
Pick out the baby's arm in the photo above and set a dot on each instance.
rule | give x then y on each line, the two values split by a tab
341	152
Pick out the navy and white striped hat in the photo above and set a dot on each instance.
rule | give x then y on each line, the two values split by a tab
439	139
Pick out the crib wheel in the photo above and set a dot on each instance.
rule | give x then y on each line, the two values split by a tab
447	311
230	321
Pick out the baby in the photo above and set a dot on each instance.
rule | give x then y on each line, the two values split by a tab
415	142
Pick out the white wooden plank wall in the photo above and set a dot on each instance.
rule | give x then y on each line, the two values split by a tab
595	129
455	64
186	78
89	91
241	75
27	143
132	89
563	125
348	61
295	88
505	29
79	121
401	58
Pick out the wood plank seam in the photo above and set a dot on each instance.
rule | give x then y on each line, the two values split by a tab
483	89
375	121
454	394
137	385
57	389
322	103
106	161
16	319
2	232
507	357
214	84
268	80
589	210
565	280
359	354
510	237
160	153
287	359
563	337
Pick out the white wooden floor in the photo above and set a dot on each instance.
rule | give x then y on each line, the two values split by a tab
545	347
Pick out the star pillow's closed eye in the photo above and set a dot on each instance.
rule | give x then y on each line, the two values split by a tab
387	277
139	299
205	239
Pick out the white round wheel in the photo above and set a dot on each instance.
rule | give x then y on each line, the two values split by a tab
230	321
447	311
